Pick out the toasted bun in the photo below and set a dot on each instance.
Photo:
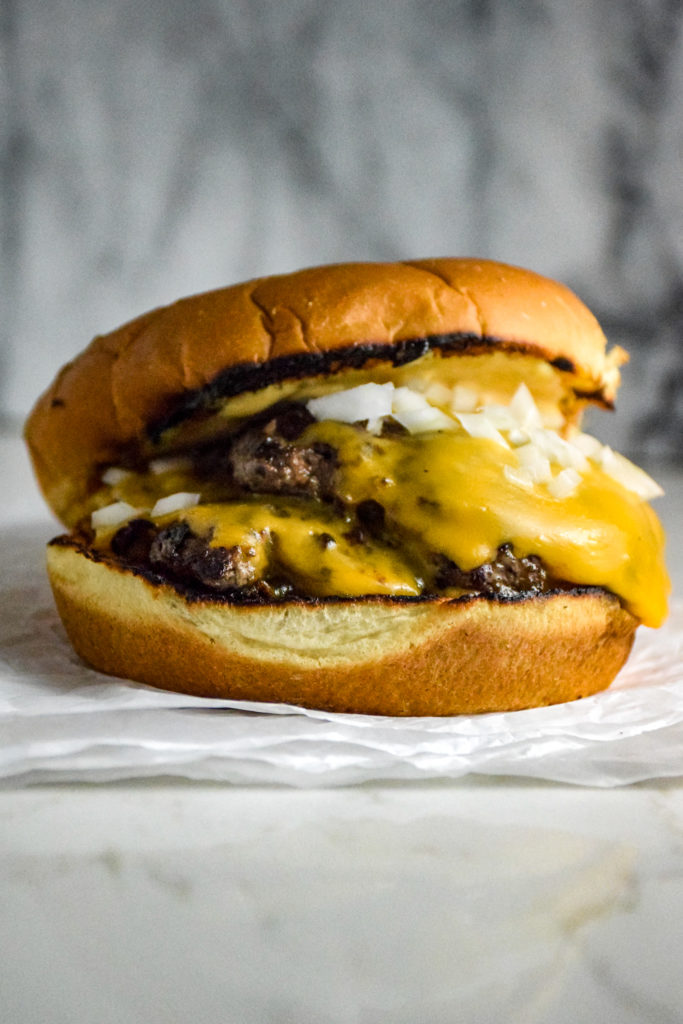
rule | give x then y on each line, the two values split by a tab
373	656
307	323
207	357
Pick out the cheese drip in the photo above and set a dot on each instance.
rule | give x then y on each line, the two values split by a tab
313	549
444	493
449	491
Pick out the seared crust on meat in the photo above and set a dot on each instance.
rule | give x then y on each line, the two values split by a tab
175	554
262	463
370	656
169	362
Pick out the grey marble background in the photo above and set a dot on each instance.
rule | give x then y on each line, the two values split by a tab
153	148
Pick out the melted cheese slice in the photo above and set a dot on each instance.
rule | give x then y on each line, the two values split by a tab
444	494
313	549
449	491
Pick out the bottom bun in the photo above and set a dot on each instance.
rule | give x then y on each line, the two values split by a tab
370	656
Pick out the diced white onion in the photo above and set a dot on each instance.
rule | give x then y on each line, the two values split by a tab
464	399
415	413
172	463
630	476
524	409
114	475
538	446
418	384
565	483
422	420
535	463
544	441
588	446
365	402
174	503
477	424
518	436
438	394
559	451
375	426
405	399
112	514
500	416
521	477
573	457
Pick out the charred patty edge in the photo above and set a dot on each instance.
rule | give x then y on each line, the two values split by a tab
198	595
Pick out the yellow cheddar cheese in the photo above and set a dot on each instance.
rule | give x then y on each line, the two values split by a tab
444	493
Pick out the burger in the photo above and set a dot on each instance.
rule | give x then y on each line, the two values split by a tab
360	488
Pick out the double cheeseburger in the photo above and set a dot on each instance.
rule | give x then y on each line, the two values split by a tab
361	488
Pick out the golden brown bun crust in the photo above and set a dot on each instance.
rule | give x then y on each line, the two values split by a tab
368	657
127	380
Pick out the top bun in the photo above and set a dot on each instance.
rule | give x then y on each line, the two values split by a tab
308	323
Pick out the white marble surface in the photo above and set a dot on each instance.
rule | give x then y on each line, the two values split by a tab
478	900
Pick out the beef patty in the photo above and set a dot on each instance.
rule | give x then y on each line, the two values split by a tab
263	457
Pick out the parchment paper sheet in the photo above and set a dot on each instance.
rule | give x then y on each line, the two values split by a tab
60	721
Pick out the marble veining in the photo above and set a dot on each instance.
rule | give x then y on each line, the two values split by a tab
152	150
479	901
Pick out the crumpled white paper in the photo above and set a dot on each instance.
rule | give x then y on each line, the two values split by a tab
61	721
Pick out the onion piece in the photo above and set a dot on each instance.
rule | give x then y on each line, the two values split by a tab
500	416
438	394
477	424
405	399
588	446
524	409
415	413
565	483
170	463
522	477
418	384
559	451
630	476
465	399
518	437
114	475
112	515
365	402
535	463
420	420
174	503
